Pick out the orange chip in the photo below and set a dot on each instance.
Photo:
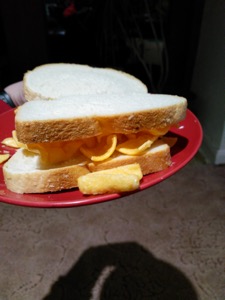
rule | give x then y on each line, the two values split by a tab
10	142
103	150
160	131
13	141
55	152
136	146
4	157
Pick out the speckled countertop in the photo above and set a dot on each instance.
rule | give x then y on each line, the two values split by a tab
167	242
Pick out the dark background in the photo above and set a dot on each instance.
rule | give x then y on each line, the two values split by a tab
104	33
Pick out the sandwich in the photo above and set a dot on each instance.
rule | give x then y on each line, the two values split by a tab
56	80
64	140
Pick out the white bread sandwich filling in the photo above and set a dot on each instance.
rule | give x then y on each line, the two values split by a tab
51	81
80	134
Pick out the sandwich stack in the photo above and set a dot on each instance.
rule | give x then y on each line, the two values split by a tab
107	120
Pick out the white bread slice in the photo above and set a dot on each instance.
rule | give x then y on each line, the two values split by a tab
23	172
155	159
51	81
84	116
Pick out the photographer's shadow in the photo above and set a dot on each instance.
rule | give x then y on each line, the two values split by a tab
123	271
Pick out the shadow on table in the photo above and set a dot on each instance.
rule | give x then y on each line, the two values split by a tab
119	272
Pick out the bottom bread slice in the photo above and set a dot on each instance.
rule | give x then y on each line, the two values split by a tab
155	159
23	172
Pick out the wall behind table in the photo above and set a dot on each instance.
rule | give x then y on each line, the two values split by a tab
208	83
23	38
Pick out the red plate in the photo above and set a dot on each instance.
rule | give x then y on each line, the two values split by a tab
189	135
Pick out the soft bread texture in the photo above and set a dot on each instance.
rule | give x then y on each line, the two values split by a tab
24	173
57	80
91	115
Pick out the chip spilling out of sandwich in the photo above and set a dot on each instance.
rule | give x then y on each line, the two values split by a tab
71	141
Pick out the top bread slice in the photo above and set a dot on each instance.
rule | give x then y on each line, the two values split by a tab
52	81
84	116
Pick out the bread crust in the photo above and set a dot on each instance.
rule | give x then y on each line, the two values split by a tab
43	181
64	178
57	130
80	128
